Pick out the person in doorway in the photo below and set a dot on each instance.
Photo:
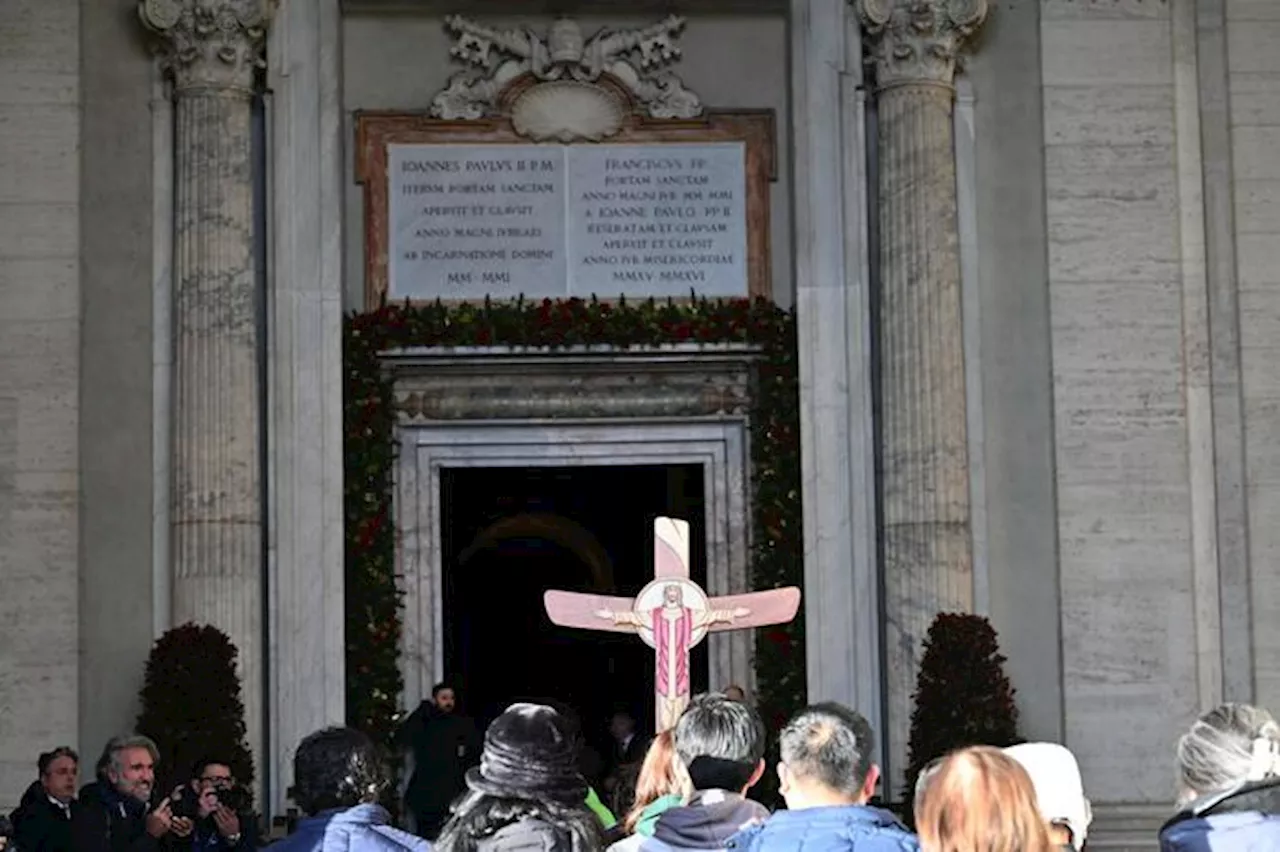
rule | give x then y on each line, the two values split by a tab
444	745
624	760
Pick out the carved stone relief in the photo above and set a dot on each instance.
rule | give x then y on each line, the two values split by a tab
571	97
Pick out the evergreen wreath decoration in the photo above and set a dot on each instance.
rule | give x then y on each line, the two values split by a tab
192	706
962	697
373	601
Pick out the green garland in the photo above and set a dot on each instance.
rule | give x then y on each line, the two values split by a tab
372	600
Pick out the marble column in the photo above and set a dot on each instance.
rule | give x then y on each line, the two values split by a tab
928	568
212	49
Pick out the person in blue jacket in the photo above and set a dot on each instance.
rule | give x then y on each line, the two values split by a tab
826	776
1229	778
338	780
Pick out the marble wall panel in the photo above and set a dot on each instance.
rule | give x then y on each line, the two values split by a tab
1120	420
1253	69
39	384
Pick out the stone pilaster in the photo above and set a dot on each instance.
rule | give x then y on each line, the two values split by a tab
928	569
833	316
212	49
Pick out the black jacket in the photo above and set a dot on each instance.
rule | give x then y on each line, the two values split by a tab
444	746
109	822
39	825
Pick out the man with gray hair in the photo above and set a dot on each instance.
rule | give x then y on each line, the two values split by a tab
118	817
721	744
827	776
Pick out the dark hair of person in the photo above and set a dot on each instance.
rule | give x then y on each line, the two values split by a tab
721	742
198	768
46	760
830	744
478	816
441	687
337	768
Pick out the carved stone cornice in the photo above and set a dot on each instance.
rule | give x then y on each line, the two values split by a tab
499	383
209	43
918	41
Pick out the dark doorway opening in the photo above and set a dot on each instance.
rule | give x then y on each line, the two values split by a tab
509	534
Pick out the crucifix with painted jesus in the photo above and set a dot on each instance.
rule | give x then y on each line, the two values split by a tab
671	614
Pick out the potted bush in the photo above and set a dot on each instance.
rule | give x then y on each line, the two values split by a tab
962	697
191	705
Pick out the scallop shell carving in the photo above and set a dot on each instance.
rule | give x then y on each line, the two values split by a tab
567	111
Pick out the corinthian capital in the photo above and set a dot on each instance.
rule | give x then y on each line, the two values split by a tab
918	41
209	43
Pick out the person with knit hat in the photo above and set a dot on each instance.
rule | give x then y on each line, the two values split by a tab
1059	791
527	793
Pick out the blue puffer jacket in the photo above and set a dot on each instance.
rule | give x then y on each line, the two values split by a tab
364	828
831	829
1244	819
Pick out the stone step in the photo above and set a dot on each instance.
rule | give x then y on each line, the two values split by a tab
1127	827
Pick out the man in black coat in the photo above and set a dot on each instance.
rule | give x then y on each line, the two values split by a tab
115	813
42	822
444	745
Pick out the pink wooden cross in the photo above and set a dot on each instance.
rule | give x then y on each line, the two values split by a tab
672	614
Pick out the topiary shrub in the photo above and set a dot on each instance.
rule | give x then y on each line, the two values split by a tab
963	697
191	705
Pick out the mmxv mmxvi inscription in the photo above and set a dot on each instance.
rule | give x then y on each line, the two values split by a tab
555	220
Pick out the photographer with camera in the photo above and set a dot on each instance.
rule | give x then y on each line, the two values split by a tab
219	808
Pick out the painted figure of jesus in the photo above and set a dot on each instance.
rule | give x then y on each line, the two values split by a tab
673	625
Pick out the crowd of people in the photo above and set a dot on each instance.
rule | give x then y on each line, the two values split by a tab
527	793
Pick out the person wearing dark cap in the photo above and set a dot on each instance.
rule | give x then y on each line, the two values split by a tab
527	793
338	780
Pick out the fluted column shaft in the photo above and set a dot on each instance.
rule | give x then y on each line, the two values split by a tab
212	50
924	442
217	459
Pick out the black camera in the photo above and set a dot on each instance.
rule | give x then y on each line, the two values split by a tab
235	799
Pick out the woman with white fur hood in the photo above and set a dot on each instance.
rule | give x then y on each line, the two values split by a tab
1229	780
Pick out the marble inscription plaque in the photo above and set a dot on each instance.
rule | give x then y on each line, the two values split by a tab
548	220
658	220
471	220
